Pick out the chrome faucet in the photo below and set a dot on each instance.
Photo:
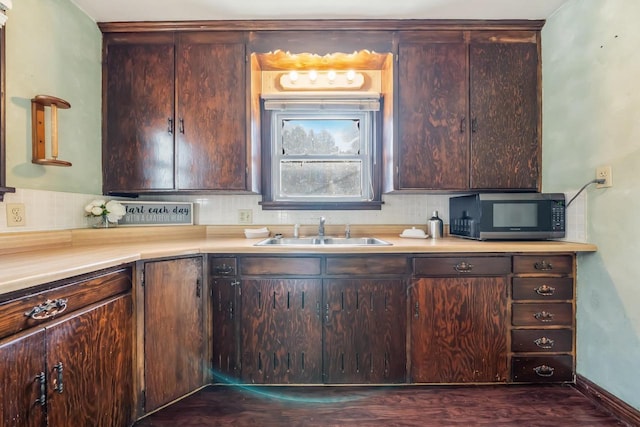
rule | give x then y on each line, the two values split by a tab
321	227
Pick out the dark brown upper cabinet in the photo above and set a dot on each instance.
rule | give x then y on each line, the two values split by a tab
175	112
468	111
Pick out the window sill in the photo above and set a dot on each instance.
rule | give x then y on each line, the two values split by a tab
337	206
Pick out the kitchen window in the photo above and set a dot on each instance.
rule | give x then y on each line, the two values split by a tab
322	153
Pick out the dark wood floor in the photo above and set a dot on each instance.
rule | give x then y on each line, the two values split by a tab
522	406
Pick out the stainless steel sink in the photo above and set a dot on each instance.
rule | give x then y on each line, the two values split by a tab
323	241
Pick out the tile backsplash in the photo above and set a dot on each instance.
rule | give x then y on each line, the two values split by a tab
50	210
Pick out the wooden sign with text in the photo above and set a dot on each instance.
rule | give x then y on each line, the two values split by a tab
157	213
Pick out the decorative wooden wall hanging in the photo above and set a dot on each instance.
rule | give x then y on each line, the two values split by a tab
38	129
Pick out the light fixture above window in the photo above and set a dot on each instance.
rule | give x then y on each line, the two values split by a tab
321	80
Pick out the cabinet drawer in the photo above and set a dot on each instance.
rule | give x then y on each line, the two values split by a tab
541	340
542	369
542	288
554	264
35	309
455	266
225	266
299	266
550	314
368	265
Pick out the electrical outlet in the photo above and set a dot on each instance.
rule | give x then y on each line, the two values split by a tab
16	215
245	216
604	172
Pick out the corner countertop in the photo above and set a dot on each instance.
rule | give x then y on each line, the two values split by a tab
39	258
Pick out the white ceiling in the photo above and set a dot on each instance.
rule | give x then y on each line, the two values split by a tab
186	10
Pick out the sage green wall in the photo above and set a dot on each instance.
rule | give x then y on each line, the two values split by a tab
591	117
53	48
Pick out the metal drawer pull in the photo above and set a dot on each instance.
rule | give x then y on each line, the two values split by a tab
543	266
59	387
42	401
545	290
544	342
463	267
544	316
47	309
544	371
224	269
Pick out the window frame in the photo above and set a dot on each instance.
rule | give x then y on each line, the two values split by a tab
371	200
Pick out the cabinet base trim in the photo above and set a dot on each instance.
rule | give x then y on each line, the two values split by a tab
618	408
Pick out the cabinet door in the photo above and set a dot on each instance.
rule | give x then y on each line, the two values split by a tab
174	351
458	330
22	378
364	338
505	146
281	331
211	110
90	366
433	137
138	151
225	329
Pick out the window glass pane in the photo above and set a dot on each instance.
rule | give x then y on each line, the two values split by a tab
323	178
320	136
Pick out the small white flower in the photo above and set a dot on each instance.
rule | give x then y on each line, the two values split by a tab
97	211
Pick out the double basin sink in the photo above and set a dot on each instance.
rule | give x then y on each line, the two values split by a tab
323	241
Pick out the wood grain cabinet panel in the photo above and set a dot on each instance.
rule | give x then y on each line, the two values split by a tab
459	330
281	331
548	265
543	314
210	118
433	115
174	343
23	380
175	112
138	148
364	320
468	111
542	340
504	108
76	370
542	369
542	288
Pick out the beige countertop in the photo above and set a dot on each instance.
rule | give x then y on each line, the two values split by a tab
31	259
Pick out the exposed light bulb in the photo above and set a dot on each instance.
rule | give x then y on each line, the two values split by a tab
313	75
351	75
331	75
293	76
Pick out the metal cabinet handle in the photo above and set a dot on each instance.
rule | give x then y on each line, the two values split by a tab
463	124
416	310
181	126
42	400
545	290
544	316
544	342
59	387
224	269
170	126
544	371
463	267
47	309
474	125
543	265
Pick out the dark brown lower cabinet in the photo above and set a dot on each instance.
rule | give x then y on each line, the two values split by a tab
364	324
281	331
74	371
175	358
459	330
226	316
23	376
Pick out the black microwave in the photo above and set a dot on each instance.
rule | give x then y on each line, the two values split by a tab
504	216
